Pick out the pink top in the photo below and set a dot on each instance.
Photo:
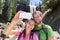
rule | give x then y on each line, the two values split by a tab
35	37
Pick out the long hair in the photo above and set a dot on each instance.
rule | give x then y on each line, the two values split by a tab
24	33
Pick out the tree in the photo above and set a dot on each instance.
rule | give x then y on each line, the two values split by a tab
25	1
8	8
1	5
52	17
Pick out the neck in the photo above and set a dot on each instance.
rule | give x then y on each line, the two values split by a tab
27	32
39	25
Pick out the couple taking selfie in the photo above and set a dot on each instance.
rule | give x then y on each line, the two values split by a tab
34	29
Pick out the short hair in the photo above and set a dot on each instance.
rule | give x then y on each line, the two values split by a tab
39	12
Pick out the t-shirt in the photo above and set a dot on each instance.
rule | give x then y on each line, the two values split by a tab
42	33
35	37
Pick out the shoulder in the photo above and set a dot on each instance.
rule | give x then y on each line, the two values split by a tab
49	30
17	33
33	33
35	37
47	26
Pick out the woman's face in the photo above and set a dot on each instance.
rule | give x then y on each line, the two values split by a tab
30	25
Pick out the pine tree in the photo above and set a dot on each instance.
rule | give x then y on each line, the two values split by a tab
53	16
8	8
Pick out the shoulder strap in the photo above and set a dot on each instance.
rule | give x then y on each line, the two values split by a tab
45	30
31	36
20	35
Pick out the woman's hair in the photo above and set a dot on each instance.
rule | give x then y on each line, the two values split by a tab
25	27
24	33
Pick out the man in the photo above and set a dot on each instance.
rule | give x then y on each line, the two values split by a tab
37	16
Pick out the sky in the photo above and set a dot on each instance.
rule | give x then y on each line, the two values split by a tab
32	2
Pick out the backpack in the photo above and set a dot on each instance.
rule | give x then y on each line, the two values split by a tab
31	35
44	29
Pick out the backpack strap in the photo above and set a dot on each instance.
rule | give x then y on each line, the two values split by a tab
20	35
45	30
31	36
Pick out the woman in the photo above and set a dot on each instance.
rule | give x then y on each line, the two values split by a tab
26	35
28	28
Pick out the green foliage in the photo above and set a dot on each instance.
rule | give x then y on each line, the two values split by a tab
1	6
11	9
8	8
52	17
50	4
25	1
43	1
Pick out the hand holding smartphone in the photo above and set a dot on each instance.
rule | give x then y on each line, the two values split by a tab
25	15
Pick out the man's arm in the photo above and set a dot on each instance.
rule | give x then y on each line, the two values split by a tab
50	38
50	33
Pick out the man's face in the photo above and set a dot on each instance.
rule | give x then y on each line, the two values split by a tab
37	18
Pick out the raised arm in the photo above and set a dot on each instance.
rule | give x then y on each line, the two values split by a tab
14	21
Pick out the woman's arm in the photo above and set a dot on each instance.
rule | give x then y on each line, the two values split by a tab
15	20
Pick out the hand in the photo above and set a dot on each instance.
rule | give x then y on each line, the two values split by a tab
16	17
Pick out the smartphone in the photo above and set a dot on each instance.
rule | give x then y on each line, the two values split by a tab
25	15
